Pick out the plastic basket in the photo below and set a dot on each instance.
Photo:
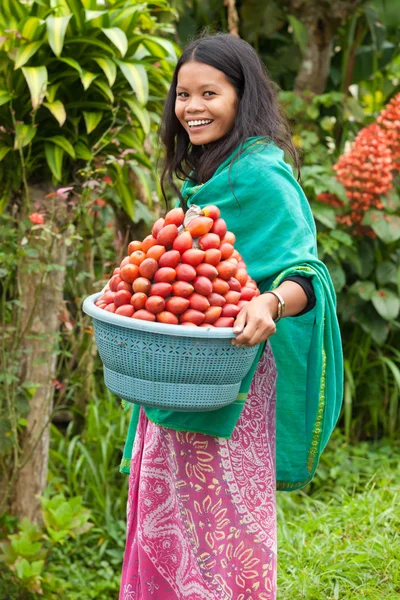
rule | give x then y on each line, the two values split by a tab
168	366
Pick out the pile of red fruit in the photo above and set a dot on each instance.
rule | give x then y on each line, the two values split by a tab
188	275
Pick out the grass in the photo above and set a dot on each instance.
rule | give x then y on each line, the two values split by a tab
340	539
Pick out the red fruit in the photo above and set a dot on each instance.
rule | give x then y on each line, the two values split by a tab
138	300
226	270
233	261
155	304
161	289
232	297
236	254
102	305
242	303
135	245
110	307
170	259
219	228
167	235
193	257
108	297
209	241
242	264
155	252
177	305
182	288
185	272
166	274
158	225
186	324
167	317
141	284
144	315
199	226
174	217
207	271
247	293
124	285
216	299
224	322
230	310
251	284
199	302
148	242
192	316
212	314
126	311
211	211
137	257
226	250
129	273
242	276
212	256
220	286
230	238
206	325
122	297
124	262
183	242
148	267
100	301
202	285
116	270
113	283
234	284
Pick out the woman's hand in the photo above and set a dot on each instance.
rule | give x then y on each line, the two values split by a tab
255	322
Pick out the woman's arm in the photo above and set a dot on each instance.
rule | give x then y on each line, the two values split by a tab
256	320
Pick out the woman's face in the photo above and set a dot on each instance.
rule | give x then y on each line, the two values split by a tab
206	102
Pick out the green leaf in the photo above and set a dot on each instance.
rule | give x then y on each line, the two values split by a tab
93	42
72	63
386	303
57	109
92	119
77	9
25	53
54	156
36	78
338	276
108	66
386	227
65	144
106	90
387	272
137	78
31	28
87	79
24	134
52	91
119	16
139	111
4	97
372	323
364	289
117	37
391	201
300	32
159	47
56	28
82	151
4	150
94	14
324	214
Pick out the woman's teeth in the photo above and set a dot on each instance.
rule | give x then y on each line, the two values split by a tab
199	122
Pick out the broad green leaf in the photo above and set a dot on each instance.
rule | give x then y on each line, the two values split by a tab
54	156
25	53
87	79
338	276
94	14
117	37
386	303
386	227
77	9
52	91
160	47
145	180
391	201
31	28
4	150
24	134
92	41
72	63
364	289
82	151
108	66
118	17
36	78
56	28
92	119
65	144
325	214
137	78
4	97
387	272
140	112
105	89
57	109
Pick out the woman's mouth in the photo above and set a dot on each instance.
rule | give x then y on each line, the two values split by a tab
197	124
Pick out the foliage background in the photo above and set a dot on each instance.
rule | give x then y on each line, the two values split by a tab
85	134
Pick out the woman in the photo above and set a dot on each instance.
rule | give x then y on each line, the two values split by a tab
201	509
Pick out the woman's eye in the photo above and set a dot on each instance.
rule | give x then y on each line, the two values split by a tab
182	94
208	93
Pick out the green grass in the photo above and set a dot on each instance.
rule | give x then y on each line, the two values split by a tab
340	539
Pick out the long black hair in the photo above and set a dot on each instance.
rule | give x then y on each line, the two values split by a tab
258	111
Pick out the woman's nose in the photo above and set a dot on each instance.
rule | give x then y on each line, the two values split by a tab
194	105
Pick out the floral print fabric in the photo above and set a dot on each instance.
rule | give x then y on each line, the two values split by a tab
201	515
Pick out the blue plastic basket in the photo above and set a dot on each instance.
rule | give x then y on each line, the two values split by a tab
168	366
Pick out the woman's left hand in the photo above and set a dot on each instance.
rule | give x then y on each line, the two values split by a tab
255	322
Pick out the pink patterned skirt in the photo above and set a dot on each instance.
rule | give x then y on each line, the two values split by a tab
201	515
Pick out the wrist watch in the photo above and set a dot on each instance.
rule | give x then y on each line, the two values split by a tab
281	305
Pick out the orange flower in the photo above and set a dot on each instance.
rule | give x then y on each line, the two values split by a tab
36	218
389	120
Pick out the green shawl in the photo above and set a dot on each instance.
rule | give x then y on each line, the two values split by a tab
275	233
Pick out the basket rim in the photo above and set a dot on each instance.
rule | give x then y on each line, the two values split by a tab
100	314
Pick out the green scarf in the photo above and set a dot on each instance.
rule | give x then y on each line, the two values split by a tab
275	233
